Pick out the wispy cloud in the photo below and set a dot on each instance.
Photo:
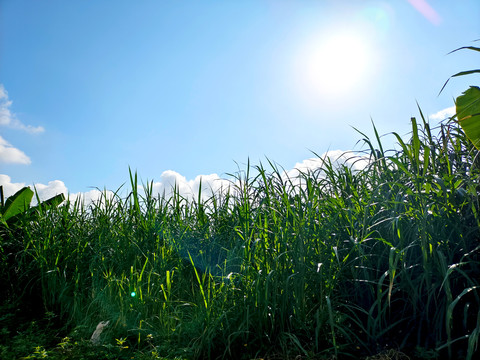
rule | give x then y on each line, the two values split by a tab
12	155
7	118
443	114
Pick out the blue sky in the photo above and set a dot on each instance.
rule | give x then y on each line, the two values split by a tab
177	89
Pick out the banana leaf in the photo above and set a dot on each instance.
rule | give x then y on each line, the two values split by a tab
468	114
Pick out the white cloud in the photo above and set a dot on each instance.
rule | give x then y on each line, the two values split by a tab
53	188
9	188
5	114
7	118
443	114
12	155
335	157
213	184
93	196
44	191
189	189
210	184
8	153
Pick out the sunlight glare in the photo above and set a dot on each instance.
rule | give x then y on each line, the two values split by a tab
330	67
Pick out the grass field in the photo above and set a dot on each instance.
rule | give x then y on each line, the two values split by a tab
378	262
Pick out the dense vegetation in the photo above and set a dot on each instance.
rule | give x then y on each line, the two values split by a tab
379	261
339	263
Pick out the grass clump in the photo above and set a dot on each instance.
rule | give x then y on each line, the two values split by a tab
338	262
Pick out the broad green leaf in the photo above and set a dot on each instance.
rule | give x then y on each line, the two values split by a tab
17	203
468	114
54	201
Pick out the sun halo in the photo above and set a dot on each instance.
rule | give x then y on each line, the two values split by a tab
332	66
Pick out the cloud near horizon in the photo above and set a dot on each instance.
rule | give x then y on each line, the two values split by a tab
44	191
53	188
335	157
443	114
210	184
189	189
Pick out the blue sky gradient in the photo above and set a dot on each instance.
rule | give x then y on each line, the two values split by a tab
196	86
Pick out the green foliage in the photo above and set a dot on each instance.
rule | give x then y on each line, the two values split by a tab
337	262
468	114
468	105
19	204
15	204
16	216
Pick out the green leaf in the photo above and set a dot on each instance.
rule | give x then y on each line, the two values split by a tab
52	202
462	73
17	203
465	48
468	72
468	114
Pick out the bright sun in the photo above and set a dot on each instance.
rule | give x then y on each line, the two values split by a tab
331	67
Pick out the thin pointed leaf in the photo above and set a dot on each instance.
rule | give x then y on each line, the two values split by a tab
465	47
468	72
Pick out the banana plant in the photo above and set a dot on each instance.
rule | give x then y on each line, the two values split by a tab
468	114
19	203
468	104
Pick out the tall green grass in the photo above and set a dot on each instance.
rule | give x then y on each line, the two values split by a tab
338	262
